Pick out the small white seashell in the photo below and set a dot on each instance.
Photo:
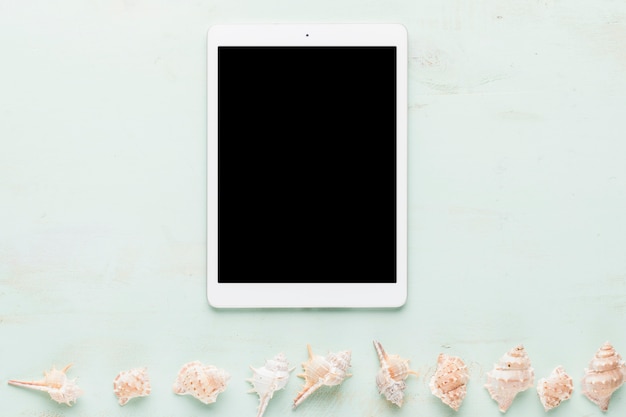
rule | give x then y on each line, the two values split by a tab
449	383
319	370
273	376
56	384
390	378
203	382
554	389
131	384
512	375
604	375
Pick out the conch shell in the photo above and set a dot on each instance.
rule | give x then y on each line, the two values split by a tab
131	384
449	383
56	384
394	370
203	382
273	376
510	376
319	370
554	389
604	375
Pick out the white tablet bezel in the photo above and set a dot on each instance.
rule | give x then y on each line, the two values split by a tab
304	295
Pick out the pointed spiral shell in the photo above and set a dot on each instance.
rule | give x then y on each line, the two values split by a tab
390	378
319	371
510	376
449	383
56	383
273	376
604	375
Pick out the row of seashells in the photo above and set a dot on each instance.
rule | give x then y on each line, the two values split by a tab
510	376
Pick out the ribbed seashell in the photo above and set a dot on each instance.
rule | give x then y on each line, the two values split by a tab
555	388
449	383
273	376
319	370
56	383
131	384
510	376
390	378
604	375
203	382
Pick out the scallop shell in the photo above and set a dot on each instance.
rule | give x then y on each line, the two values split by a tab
554	389
392	374
512	375
203	382
319	370
449	383
273	376
131	384
604	375
56	384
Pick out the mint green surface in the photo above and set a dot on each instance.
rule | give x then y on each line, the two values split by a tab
517	197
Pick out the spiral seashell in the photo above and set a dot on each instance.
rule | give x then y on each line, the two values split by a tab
56	384
393	371
203	382
604	375
319	370
273	376
131	384
449	383
555	388
510	376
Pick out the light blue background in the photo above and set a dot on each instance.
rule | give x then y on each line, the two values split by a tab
517	192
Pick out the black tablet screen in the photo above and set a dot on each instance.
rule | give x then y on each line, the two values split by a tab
307	164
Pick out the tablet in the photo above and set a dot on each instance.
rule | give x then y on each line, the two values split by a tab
307	165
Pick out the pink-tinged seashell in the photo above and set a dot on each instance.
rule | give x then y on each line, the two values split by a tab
131	384
555	388
319	370
604	375
449	383
56	384
203	382
510	376
273	376
393	371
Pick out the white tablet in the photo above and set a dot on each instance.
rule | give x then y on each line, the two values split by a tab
307	165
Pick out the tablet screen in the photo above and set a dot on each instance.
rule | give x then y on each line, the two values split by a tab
306	164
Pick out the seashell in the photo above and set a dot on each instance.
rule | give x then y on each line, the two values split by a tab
449	383
510	376
273	376
56	384
203	382
131	384
392	374
555	388
604	375
319	370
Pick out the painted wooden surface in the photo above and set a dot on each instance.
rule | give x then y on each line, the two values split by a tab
517	195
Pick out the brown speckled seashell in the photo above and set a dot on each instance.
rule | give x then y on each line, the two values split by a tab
555	389
449	383
203	382
131	384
